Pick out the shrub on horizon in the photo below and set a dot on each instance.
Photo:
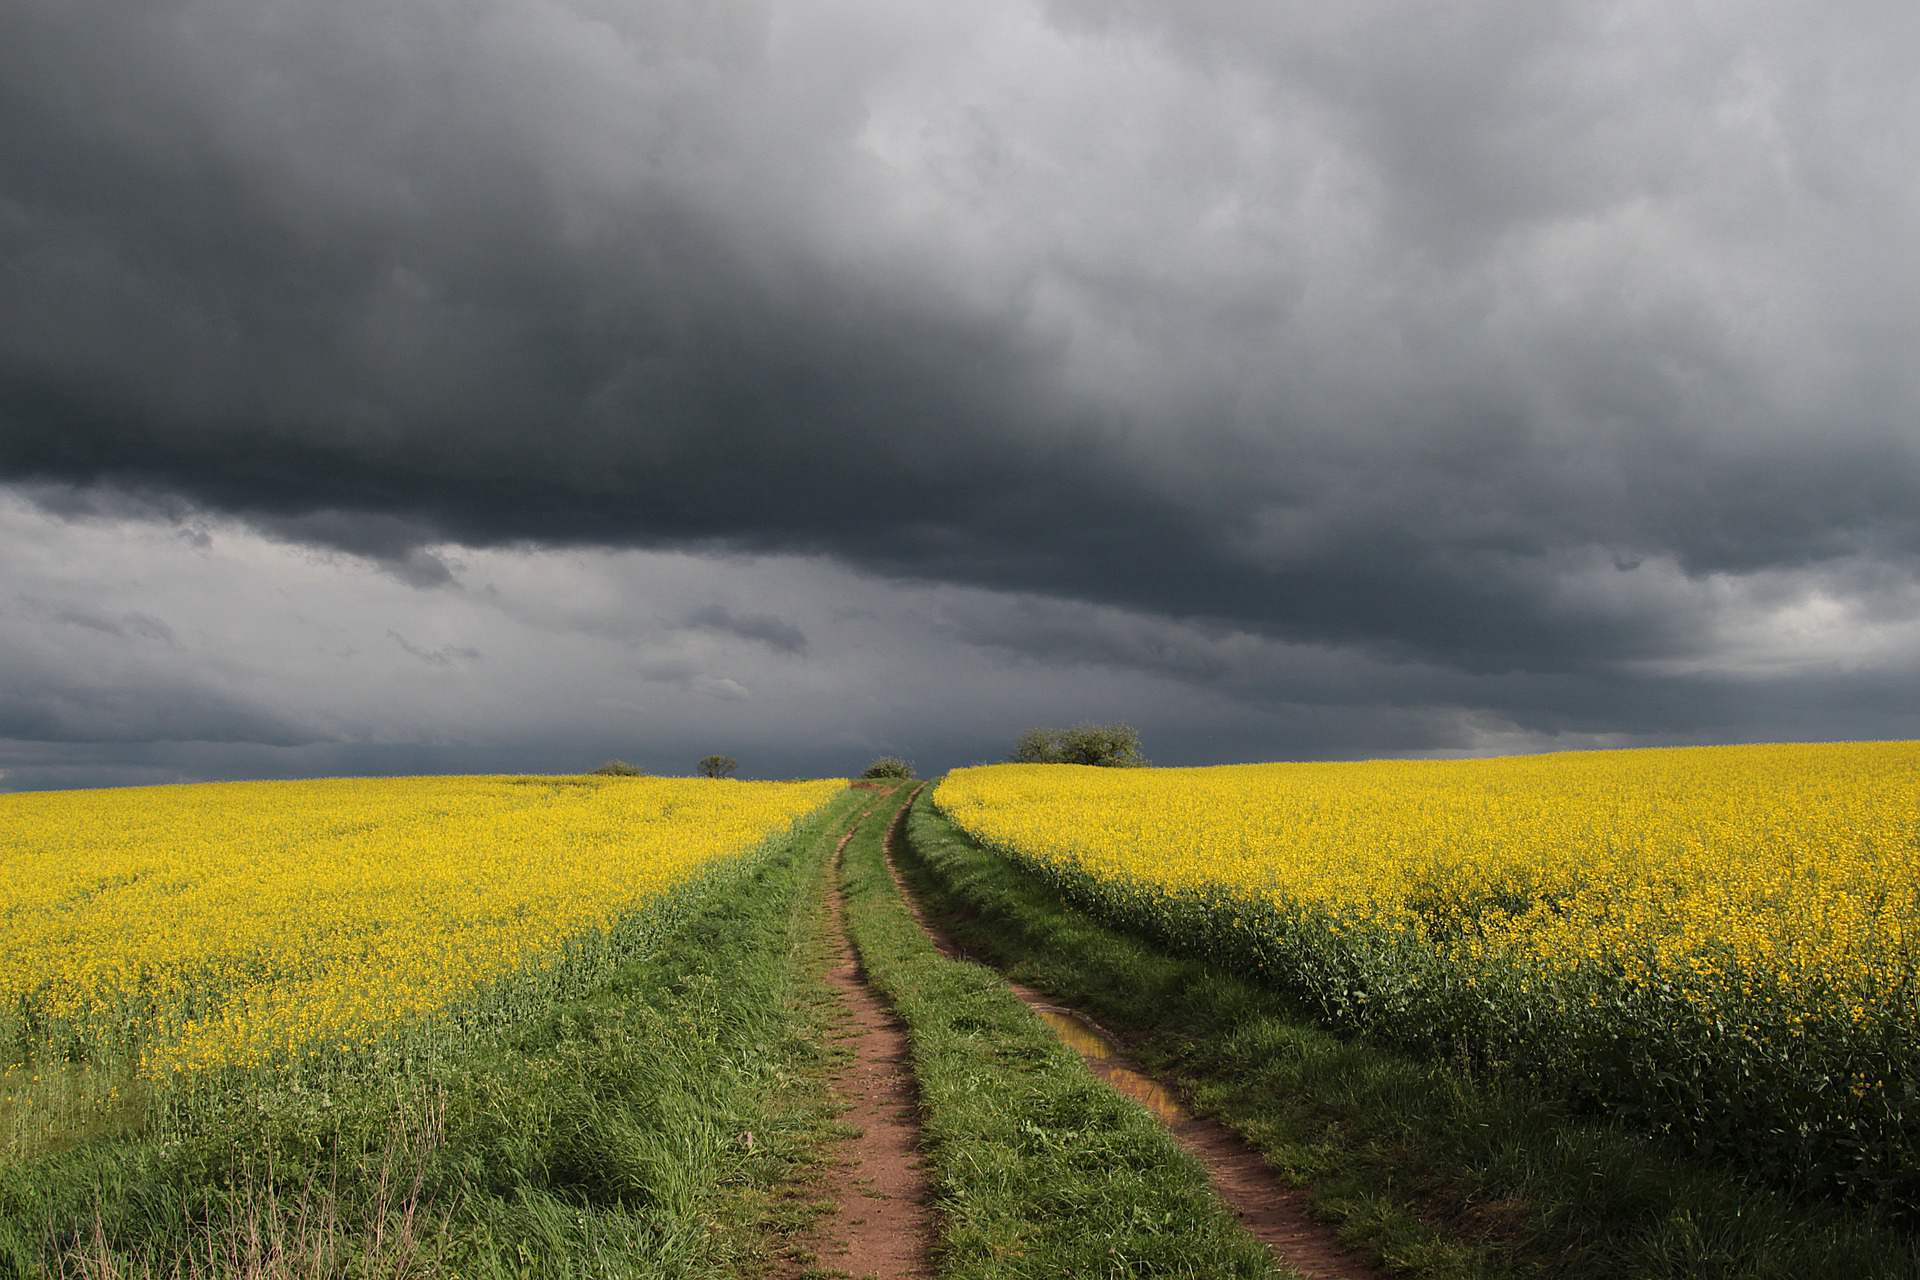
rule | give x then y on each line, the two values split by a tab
719	766
1113	746
889	767
619	769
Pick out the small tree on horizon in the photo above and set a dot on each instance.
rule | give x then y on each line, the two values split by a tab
1112	746
719	766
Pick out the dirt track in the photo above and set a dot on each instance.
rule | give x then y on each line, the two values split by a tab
1272	1210
881	1224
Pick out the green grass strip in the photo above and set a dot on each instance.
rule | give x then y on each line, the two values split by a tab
1441	1173
1039	1169
646	1128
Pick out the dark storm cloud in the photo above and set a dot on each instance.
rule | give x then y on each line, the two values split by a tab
1316	701
1439	343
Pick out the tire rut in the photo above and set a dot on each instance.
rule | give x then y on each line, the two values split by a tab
1273	1211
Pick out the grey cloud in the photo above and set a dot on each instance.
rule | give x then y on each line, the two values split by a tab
723	687
32	766
1062	633
660	303
46	707
390	543
145	626
1482	365
1780	695
761	628
689	675
444	656
942	674
127	626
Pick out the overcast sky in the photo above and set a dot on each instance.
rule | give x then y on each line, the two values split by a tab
507	384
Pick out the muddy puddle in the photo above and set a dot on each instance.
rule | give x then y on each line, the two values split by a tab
1104	1056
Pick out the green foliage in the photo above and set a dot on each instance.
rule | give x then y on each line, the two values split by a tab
1114	746
620	769
892	767
1040	1169
718	766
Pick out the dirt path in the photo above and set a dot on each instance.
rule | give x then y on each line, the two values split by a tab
1274	1211
881	1224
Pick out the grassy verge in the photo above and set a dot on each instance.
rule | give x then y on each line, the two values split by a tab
646	1127
1039	1170
1440	1172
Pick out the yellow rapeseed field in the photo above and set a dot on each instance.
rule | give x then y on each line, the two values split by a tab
1721	941
247	923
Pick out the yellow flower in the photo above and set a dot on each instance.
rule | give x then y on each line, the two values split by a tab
1773	891
239	923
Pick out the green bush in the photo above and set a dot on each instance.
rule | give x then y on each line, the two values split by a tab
1114	746
718	766
889	767
619	769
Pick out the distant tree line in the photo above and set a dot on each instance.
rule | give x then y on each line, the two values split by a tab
709	767
1114	746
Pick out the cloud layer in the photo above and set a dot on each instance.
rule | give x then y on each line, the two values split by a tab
1542	367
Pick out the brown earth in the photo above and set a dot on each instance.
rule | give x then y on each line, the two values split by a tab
880	1224
1273	1210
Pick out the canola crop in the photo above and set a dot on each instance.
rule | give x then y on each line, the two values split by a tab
1717	943
248	924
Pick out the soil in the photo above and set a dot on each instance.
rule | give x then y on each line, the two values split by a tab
881	1224
1272	1209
